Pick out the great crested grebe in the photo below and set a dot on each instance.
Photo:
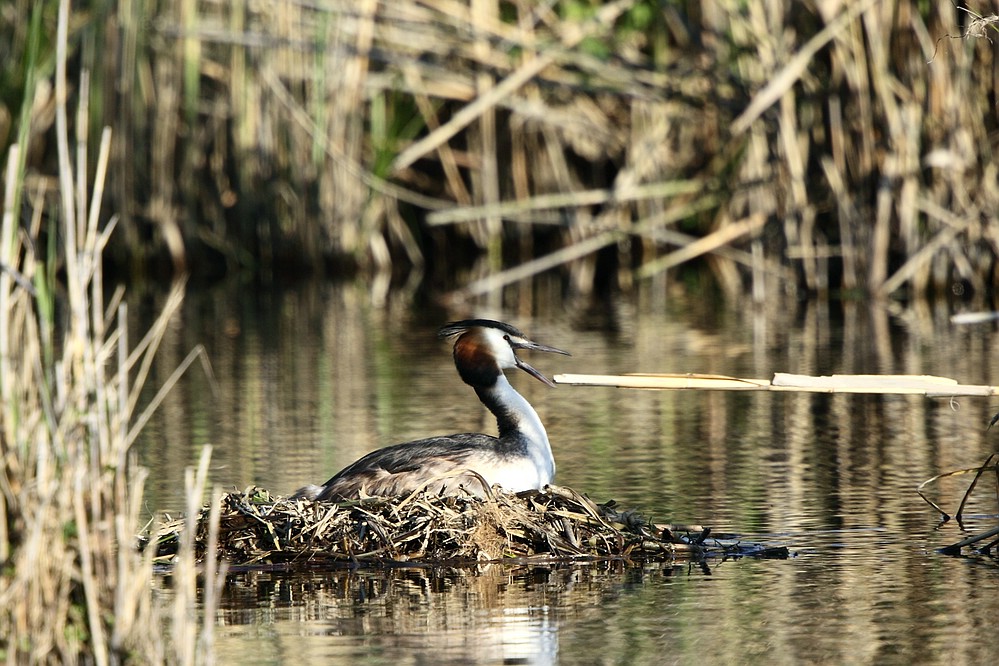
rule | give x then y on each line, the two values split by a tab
519	459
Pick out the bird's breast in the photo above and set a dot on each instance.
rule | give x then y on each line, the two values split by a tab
514	474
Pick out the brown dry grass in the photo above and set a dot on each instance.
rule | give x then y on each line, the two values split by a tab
73	587
817	146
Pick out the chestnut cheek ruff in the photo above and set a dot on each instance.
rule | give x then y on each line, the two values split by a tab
475	364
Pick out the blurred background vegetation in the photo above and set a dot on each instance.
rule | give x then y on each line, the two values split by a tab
824	147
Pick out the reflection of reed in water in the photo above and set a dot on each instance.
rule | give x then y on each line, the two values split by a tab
494	614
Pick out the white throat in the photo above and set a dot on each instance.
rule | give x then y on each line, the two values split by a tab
528	425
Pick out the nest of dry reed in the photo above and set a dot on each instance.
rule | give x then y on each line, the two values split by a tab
558	524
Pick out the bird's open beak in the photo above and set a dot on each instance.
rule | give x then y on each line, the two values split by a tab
536	347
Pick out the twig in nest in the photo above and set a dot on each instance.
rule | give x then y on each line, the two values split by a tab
557	524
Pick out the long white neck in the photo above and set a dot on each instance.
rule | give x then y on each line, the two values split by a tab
516	418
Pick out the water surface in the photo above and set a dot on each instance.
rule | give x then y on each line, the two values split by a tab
309	379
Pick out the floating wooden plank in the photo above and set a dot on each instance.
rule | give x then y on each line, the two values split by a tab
667	381
905	384
974	317
927	385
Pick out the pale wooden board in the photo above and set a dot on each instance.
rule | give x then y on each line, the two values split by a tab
888	384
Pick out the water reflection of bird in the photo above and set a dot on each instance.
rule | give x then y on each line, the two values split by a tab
519	459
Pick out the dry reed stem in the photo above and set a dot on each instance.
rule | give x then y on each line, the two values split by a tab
920	260
587	246
505	88
512	209
794	69
72	586
709	243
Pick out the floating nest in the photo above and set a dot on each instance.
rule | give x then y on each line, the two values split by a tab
557	524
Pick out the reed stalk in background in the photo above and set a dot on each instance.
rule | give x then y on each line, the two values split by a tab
74	587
